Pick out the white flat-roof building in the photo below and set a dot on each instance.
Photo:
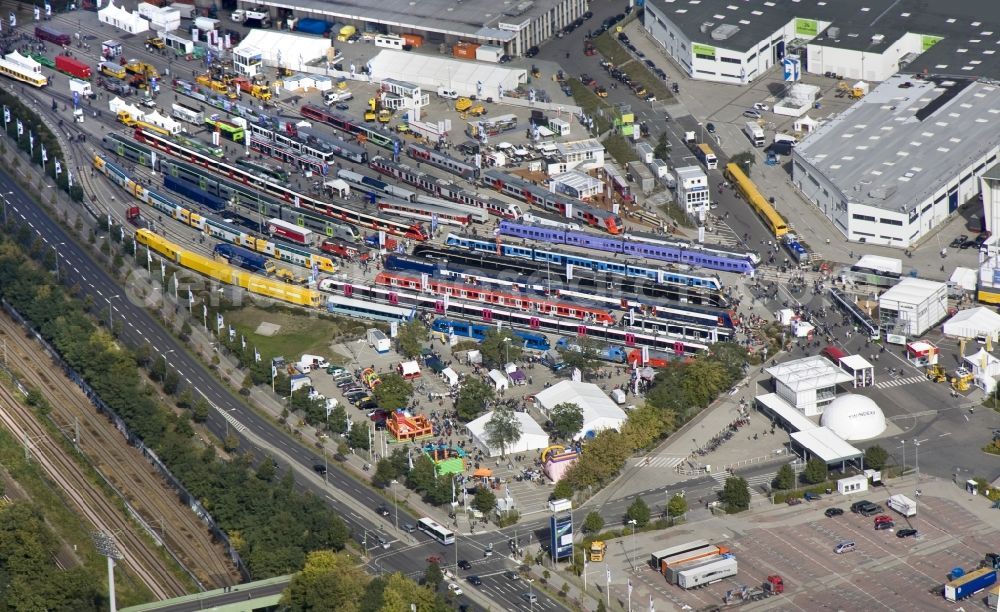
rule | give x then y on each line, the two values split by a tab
432	72
736	42
599	411
576	185
808	384
692	189
901	160
580	154
913	306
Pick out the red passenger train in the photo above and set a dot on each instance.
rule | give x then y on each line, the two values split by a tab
483	295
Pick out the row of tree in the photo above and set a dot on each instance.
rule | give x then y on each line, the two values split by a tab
271	525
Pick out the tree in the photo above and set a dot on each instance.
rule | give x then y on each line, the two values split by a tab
473	399
586	355
485	500
393	392
736	495
199	412
745	160
337	421
562	490
411	337
876	457
329	581
358	438
785	478
266	471
503	429
593	523
500	347
662	149
638	512
231	442
567	419
433	577
815	472
677	506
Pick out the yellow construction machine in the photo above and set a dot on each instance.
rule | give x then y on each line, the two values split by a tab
962	380
937	374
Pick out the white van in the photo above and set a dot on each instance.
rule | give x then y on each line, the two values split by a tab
844	547
448	93
791	140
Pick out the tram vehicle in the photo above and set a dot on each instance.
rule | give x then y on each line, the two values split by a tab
24	69
363	132
441	160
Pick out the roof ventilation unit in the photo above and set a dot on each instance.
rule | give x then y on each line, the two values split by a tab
724	31
705	26
877	39
833	32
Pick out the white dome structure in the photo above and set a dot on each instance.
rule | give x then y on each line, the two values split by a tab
853	417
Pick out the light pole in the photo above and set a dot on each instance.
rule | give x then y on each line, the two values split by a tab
633	524
113	297
903	446
5	203
55	251
702	126
506	348
395	503
916	457
165	365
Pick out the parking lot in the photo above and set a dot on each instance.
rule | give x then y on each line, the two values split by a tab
797	543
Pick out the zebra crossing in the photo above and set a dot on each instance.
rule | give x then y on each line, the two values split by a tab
899	382
660	461
754	482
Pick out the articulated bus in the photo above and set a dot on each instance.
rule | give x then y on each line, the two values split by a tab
748	190
442	534
231	130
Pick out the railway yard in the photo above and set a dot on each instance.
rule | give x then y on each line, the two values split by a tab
329	203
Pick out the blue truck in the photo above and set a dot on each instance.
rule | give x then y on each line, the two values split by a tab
969	584
244	258
607	352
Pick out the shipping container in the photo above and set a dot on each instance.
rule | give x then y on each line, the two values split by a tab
464	50
73	66
970	584
52	35
657	557
378	341
206	24
414	40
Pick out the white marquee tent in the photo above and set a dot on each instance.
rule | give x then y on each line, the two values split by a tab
599	410
973	322
289	50
432	72
120	18
533	437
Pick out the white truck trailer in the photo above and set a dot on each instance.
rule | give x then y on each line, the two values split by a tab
378	340
707	574
903	505
755	133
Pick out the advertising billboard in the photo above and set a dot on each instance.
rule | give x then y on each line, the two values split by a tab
703	51
561	540
808	28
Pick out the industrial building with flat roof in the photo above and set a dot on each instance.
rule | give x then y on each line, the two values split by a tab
736	42
514	25
902	159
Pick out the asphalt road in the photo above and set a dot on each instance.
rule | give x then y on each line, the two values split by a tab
353	501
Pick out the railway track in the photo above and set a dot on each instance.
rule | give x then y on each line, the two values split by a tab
138	555
182	533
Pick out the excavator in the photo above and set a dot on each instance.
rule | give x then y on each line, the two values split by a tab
937	373
376	110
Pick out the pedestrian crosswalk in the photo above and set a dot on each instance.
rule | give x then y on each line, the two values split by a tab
899	382
660	461
754	481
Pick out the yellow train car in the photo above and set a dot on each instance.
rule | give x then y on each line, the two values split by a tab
285	292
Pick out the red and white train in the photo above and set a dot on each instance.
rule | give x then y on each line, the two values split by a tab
483	295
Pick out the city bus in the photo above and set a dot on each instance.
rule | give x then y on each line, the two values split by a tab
774	221
230	130
441	534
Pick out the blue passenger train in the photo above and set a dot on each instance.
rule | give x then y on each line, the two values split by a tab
532	341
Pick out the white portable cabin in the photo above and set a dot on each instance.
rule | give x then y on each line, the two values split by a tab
378	340
499	380
388	41
408	369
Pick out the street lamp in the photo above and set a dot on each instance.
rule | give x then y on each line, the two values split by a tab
903	446
916	457
113	297
633	524
165	364
55	251
395	503
506	348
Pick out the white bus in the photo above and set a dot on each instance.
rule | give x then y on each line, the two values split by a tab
441	534
188	114
389	41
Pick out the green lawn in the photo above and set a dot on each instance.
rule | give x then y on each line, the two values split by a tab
614	52
619	148
299	334
591	104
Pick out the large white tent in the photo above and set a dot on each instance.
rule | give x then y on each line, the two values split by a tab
973	322
599	410
429	71
120	18
533	437
287	50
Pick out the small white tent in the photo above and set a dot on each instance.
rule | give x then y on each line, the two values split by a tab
122	19
985	370
973	322
533	437
599	410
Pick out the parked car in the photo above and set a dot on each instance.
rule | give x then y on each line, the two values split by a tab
531	598
883	518
810	496
710	127
981	239
845	546
531	52
761	106
957	242
623	37
832	512
463	564
968	244
751	114
343	107
906	533
884	526
588	15
454	588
